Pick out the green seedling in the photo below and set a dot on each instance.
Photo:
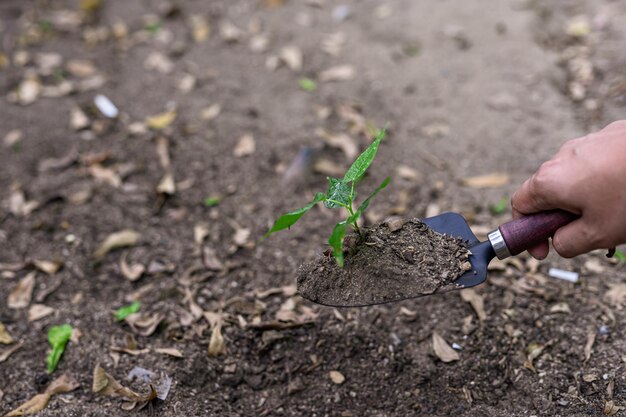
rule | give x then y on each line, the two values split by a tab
58	336
340	193
307	84
212	201
620	256
500	207
123	312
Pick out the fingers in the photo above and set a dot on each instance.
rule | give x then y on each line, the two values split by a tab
540	251
533	196
575	239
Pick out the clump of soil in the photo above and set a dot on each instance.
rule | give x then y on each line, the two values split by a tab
392	261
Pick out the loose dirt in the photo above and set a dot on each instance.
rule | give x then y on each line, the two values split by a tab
392	261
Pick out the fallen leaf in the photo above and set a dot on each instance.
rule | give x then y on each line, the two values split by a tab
292	57
144	324
18	205
338	73
337	377
333	43
210	259
200	29
12	138
22	293
216	344
49	267
477	302
560	308
328	168
246	146
105	175
157	61
616	295
496	179
200	232
78	119
5	337
28	91
121	239
241	236
170	352
80	68
131	272
162	120
211	112
533	351
611	409
104	384
341	141
167	186
229	32
408	173
591	339
60	385
443	350
5	353
578	27
38	312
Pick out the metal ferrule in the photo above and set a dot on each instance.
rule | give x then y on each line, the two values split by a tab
498	244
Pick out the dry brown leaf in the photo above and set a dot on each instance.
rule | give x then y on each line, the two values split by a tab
121	239
246	146
163	152
533	351
216	344
338	73
341	141
18	205
5	353
5	337
105	384
170	352
38	312
241	236
408	173
167	185
49	267
144	324
200	232
211	112
292	57
105	175
328	167
611	409
80	68
40	401
616	295
591	339
22	293
493	180
560	308
132	352
477	302
210	259
162	120
229	32
443	350
78	119
337	377
200	28
131	272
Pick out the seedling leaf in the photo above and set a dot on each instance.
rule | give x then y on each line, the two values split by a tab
336	241
307	84
620	256
126	311
212	201
338	193
289	219
367	201
360	165
500	207
58	336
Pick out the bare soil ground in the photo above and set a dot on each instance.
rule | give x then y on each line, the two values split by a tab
469	88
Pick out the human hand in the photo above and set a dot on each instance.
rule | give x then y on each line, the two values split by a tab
587	176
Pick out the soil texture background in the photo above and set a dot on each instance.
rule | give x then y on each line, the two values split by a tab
230	112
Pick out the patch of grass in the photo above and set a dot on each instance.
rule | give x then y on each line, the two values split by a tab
307	84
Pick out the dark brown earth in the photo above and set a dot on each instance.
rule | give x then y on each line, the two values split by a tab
392	261
468	88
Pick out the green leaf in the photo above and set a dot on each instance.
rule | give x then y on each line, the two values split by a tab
212	201
500	207
126	311
367	201
289	219
360	165
336	241
307	84
58	336
620	256
339	192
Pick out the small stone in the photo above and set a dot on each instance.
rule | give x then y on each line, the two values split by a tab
337	377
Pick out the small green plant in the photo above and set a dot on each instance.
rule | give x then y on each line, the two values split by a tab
212	201
123	312
620	256
340	193
307	84
499	207
58	336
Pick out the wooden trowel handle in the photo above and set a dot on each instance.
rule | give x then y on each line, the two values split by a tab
524	233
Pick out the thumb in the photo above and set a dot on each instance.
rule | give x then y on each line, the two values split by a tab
574	239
